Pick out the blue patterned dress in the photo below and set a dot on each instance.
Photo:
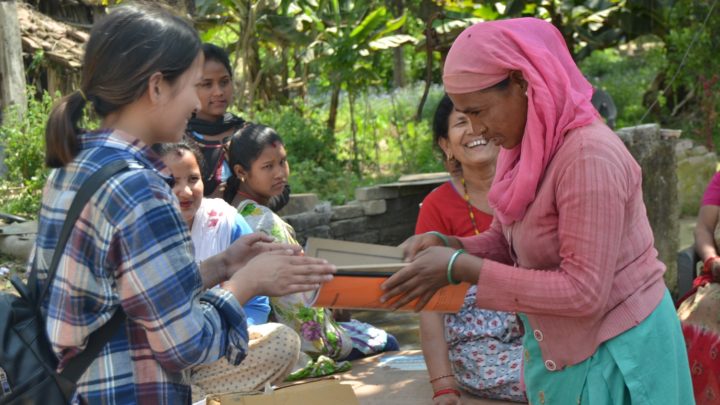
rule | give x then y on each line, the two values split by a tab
485	350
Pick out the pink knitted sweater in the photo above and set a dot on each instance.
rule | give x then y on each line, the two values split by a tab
581	262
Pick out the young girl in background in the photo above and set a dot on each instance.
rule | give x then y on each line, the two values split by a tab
212	125
130	250
258	159
214	224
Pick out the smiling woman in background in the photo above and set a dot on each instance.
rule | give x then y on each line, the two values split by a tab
476	350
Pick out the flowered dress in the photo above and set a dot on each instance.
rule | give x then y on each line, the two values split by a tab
485	350
320	334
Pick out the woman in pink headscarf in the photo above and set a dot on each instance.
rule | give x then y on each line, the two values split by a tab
570	249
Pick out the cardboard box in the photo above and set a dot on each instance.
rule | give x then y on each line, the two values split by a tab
325	391
362	268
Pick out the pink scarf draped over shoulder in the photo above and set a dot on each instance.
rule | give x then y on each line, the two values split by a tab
558	98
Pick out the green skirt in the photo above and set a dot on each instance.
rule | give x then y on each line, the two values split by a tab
647	364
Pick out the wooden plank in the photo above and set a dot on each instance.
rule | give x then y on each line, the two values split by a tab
12	70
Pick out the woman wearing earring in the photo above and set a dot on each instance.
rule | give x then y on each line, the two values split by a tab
461	348
570	248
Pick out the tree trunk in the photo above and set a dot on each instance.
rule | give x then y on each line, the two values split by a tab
429	46
353	129
399	79
248	58
399	67
12	69
284	76
334	102
376	144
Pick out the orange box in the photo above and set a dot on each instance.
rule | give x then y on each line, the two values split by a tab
357	286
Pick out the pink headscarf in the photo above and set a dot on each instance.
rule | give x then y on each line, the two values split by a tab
558	98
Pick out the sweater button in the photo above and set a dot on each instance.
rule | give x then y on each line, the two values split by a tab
550	365
538	335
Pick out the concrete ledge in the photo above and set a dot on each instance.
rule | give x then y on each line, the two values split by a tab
346	212
374	207
375	193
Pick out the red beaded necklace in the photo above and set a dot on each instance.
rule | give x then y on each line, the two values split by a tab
470	210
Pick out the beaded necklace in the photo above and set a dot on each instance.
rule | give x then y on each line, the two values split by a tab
470	210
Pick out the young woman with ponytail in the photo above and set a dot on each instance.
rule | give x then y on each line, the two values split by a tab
131	250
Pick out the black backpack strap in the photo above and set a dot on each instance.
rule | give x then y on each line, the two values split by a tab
86	191
96	341
77	365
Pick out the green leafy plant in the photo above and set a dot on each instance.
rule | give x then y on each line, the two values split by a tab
23	142
626	75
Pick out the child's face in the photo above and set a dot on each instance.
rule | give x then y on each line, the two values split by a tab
188	186
215	91
269	173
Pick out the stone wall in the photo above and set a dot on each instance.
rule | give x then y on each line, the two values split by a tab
695	167
386	214
656	155
383	214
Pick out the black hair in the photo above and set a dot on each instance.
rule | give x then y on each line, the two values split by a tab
214	52
502	85
125	49
440	129
441	120
164	149
246	146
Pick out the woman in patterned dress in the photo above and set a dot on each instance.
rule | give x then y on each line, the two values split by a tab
476	350
258	159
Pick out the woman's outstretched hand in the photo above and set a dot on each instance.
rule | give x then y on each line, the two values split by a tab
281	272
426	274
417	243
246	247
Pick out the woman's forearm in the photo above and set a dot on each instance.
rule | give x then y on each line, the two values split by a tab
213	270
467	268
435	350
705	244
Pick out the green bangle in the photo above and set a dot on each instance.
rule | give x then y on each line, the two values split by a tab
441	236
450	266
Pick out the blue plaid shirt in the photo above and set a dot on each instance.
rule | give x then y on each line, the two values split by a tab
131	249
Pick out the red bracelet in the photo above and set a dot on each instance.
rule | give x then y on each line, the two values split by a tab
446	391
707	264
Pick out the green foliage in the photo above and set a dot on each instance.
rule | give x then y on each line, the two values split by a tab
23	141
390	142
314	165
692	44
626	75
